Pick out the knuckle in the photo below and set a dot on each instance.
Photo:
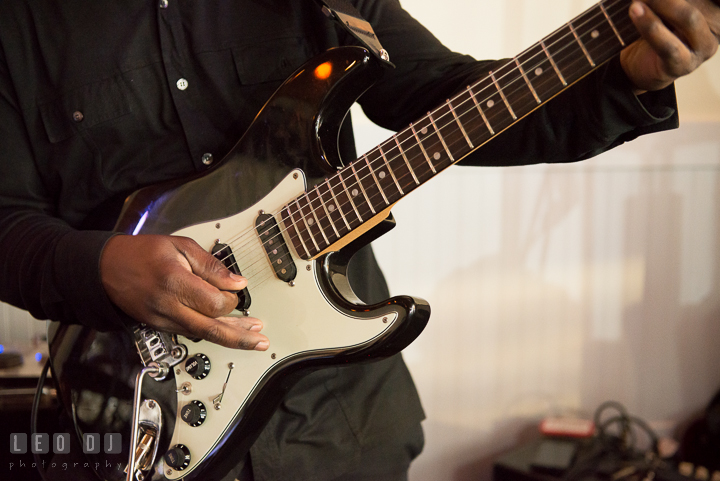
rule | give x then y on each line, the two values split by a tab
245	344
214	333
218	306
692	17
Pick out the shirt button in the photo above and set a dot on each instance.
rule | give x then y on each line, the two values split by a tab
207	159
163	4
182	84
78	116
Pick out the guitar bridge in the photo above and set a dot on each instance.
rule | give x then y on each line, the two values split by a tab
158	347
277	251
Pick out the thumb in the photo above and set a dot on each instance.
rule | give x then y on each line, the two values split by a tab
208	267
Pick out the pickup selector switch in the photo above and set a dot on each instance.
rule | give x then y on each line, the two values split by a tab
198	366
178	457
194	413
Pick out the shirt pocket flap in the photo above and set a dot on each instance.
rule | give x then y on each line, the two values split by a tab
270	61
83	108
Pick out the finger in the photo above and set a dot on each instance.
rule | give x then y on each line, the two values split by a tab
232	332
689	29
676	56
207	267
199	295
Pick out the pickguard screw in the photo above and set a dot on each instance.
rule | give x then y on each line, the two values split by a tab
151	404
169	472
295	176
291	283
273	355
308	267
262	212
177	371
385	320
217	226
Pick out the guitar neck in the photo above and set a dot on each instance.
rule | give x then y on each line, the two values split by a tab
355	196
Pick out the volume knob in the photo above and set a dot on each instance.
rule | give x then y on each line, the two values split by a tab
194	413
198	366
178	457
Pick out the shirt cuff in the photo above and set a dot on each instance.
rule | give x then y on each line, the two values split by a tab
77	264
639	114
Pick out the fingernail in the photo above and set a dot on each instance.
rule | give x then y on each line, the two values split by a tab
256	327
262	346
637	9
236	277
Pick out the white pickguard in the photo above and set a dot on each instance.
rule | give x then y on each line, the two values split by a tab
296	319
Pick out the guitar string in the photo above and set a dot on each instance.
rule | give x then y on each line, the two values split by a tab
380	160
353	183
258	282
319	194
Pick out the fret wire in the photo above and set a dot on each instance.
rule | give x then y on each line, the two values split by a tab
332	224
372	209
376	180
502	94
582	46
412	172
337	203
550	58
602	7
457	119
294	225
557	71
527	81
472	95
302	216
296	228
390	170
352	202
440	137
320	228
432	167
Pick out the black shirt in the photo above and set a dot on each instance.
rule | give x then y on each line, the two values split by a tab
100	98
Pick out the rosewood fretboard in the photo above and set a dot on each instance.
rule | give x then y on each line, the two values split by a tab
381	177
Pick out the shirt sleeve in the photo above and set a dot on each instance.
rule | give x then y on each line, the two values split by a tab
49	268
598	113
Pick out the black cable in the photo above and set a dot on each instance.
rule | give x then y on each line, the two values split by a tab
34	411
612	451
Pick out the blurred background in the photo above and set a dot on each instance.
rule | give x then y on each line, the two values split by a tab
553	288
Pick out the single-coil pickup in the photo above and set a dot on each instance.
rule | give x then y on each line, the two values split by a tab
277	251
224	254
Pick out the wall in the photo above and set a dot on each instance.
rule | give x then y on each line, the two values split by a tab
555	288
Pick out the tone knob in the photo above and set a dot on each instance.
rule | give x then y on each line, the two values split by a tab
194	413
178	457
198	366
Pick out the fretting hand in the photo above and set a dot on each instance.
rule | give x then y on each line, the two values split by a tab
677	37
172	284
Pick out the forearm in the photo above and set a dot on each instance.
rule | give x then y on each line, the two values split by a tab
51	270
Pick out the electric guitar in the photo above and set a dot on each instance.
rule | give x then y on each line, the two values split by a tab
293	243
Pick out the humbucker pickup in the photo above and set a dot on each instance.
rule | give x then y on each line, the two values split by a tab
275	247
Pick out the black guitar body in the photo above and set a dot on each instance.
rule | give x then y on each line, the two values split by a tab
95	371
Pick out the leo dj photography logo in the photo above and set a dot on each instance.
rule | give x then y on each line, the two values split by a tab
40	443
